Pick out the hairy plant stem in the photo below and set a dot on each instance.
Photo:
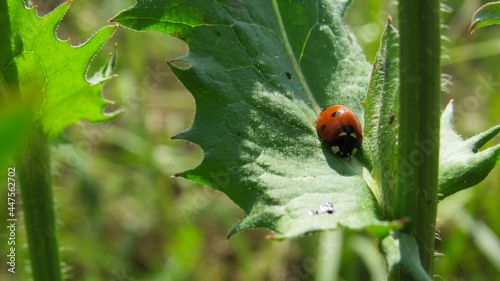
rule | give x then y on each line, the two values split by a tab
419	112
38	207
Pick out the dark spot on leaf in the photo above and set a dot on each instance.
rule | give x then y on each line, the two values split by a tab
239	134
217	33
276	114
336	113
207	18
178	35
391	119
323	127
289	75
349	38
237	5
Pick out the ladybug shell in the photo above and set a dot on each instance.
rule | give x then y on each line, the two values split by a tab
340	128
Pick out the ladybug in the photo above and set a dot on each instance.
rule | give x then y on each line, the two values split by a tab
340	128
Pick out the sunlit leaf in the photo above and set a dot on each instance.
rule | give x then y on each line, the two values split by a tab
48	73
461	162
260	72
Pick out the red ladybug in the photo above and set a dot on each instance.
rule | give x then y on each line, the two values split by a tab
340	128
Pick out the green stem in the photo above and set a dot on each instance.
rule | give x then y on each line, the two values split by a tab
38	208
418	147
330	252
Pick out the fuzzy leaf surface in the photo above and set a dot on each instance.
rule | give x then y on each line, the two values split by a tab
47	73
260	71
461	162
381	114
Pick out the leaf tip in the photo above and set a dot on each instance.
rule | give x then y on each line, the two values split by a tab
472	28
178	175
488	14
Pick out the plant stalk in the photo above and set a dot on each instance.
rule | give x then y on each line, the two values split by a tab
38	207
329	258
419	112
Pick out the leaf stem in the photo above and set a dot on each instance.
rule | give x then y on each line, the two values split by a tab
419	111
38	207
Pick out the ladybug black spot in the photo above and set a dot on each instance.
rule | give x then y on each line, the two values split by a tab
348	129
323	127
336	114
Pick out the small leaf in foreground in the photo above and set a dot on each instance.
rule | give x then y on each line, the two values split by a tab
461	163
402	250
381	114
488	14
49	73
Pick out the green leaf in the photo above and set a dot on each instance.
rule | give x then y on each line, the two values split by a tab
486	15
49	73
401	249
381	112
259	71
461	163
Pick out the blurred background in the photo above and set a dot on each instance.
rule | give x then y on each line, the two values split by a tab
121	215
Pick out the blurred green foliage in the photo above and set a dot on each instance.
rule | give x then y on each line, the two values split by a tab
123	217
